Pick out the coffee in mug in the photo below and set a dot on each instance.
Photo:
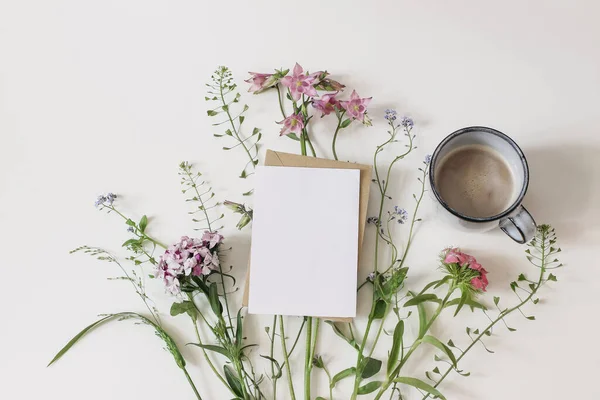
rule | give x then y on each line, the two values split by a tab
481	176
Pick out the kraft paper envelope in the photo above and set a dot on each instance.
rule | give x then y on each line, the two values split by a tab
279	159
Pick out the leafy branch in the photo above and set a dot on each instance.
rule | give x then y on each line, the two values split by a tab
223	92
202	194
541	250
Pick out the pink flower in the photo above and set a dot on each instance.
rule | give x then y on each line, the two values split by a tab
455	256
356	107
260	82
292	124
480	282
212	238
326	104
299	83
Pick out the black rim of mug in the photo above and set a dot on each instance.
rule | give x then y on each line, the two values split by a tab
452	136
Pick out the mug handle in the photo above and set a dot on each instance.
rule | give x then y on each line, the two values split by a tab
519	225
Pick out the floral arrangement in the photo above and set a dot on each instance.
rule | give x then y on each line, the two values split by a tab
192	267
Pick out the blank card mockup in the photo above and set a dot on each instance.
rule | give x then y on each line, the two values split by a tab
305	236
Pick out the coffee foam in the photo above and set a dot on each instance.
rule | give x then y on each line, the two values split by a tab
475	180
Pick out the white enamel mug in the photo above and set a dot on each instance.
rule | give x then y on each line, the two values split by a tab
515	220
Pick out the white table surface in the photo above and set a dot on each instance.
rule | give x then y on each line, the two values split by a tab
109	96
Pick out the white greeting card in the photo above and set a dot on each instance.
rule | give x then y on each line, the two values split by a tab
304	242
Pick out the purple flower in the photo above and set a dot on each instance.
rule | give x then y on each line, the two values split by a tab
99	201
356	107
427	159
292	124
105	200
186	258
390	115
407	122
401	214
130	229
299	83
260	82
326	104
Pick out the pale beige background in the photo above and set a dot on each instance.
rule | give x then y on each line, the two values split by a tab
108	95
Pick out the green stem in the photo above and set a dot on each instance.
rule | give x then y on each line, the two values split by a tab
198	196
238	368
210	364
192	384
337	129
308	359
415	345
280	101
286	358
272	354
156	242
330	385
379	331
235	131
310	145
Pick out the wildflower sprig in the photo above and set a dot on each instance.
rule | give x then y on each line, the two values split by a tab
222	92
202	196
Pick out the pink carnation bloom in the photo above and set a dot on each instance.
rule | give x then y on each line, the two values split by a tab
454	255
292	124
260	82
299	83
356	107
326	104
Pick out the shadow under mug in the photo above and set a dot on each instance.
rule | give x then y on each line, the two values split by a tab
515	220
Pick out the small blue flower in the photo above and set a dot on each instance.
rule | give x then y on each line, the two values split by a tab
407	122
427	159
371	277
99	201
110	198
390	115
373	220
401	213
130	229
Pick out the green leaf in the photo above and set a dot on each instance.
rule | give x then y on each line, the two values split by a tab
396	346
346	123
471	303
248	193
320	398
429	285
463	299
531	318
422	317
130	242
143	223
279	373
211	113
442	281
420	299
213	298
239	328
339	333
496	300
369	387
228	132
341	375
419	384
552	278
216	349
130	222
242	118
203	287
293	136
371	367
184	307
78	337
522	277
436	342
379	311
234	382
